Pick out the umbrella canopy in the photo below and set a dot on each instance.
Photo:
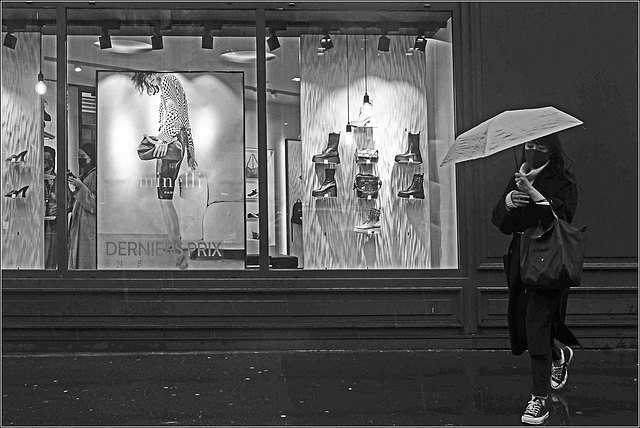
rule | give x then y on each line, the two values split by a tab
508	129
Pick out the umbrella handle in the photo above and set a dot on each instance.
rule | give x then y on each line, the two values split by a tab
515	156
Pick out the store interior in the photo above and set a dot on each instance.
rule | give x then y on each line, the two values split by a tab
313	91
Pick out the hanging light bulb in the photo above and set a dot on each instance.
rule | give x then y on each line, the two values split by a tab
41	87
349	126
367	117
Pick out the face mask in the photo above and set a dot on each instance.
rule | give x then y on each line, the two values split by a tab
536	158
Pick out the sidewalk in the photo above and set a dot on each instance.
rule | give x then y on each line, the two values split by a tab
370	388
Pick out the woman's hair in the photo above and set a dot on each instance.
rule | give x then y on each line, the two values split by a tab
141	84
559	162
90	150
52	152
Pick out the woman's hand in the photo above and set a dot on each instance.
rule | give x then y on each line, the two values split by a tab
53	207
192	163
161	149
523	184
520	199
74	181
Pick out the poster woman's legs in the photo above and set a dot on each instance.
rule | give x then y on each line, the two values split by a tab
167	173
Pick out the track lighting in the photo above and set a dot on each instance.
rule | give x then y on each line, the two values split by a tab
10	41
273	42
383	43
156	39
156	42
105	39
325	42
420	43
207	41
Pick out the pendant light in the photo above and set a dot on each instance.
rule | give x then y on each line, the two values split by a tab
349	127
367	115
41	87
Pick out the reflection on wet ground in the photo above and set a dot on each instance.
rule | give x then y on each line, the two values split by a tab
381	388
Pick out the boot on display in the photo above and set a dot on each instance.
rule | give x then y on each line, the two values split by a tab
330	154
412	155
328	188
416	189
372	224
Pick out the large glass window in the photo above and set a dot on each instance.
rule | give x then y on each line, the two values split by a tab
31	206
161	106
161	140
360	115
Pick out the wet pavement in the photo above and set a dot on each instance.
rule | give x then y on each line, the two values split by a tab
301	388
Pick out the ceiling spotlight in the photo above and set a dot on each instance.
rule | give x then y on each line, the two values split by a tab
207	41
325	42
420	43
105	41
156	42
10	41
273	42
383	43
78	68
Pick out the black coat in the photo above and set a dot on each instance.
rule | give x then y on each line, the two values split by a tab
562	194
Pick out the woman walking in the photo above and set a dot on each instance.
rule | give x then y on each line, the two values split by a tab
174	128
543	186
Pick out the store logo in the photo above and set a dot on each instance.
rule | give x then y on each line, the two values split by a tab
196	249
189	181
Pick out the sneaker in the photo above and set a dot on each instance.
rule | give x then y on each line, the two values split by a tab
559	373
536	412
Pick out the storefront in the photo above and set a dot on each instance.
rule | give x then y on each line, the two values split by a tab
301	201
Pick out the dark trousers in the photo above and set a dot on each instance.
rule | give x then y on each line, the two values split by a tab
542	308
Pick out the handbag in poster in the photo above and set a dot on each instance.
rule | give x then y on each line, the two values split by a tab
148	145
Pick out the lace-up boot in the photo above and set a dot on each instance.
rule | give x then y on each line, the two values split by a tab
372	224
416	189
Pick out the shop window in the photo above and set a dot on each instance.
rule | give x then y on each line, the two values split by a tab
360	115
187	210
31	205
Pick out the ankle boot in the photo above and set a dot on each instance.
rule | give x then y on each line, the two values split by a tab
412	155
328	188
372	224
330	154
416	189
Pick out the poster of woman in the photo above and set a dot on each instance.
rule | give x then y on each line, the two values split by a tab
152	208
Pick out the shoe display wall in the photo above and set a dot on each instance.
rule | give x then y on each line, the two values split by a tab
393	140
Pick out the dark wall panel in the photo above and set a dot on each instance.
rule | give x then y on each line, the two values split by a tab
581	58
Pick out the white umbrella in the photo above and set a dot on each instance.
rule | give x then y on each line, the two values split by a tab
508	129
